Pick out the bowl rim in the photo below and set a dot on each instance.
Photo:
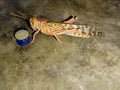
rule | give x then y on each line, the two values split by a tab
21	34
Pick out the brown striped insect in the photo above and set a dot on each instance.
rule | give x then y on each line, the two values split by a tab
66	27
63	28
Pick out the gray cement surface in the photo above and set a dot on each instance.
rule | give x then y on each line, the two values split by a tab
78	64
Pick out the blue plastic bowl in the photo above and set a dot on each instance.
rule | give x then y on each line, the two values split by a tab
24	42
22	37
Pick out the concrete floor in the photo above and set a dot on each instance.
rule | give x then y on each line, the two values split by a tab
78	64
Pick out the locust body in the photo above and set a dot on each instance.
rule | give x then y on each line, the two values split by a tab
63	28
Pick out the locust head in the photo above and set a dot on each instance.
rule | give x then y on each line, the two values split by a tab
37	23
34	23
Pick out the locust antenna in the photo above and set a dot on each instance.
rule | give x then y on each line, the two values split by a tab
19	15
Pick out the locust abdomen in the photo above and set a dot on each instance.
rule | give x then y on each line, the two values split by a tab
83	30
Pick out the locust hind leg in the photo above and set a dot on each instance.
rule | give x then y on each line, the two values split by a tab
70	19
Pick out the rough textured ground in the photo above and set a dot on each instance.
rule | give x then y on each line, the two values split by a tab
78	64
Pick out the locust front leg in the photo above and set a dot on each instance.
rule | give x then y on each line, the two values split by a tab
33	38
70	19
